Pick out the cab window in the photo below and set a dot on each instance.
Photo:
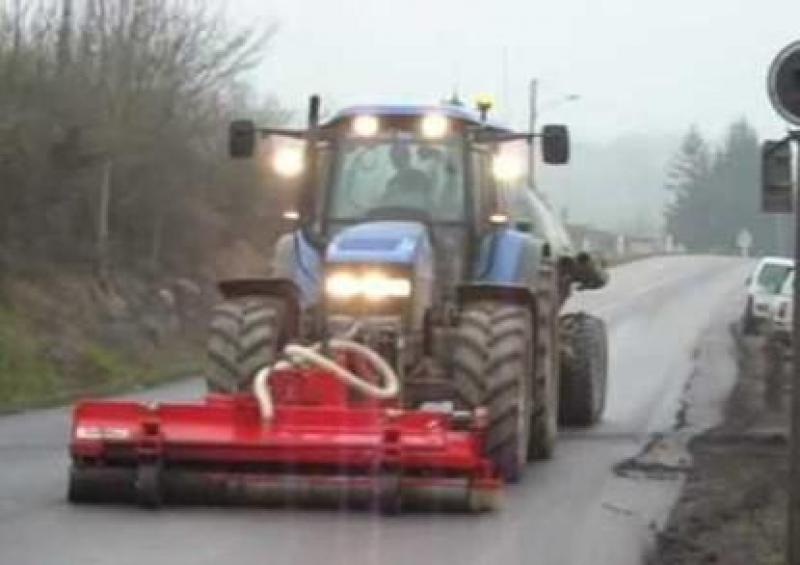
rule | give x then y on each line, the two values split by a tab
398	173
484	193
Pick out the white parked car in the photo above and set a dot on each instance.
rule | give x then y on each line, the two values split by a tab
762	288
782	314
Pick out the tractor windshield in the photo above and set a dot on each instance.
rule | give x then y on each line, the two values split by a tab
398	172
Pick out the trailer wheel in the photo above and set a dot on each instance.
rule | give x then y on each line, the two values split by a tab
245	335
584	369
491	367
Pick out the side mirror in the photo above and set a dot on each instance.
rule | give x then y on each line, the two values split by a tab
555	144
777	185
241	139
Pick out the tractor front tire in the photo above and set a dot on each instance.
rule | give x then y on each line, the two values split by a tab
584	370
245	335
492	363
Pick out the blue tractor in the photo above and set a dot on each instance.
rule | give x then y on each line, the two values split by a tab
418	236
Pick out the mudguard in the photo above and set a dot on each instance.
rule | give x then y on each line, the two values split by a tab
284	289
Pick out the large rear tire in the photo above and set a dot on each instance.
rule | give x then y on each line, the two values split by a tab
584	370
245	335
492	367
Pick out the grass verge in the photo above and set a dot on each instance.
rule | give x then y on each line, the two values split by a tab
32	375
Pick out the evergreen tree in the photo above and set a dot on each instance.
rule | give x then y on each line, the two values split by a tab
717	197
687	179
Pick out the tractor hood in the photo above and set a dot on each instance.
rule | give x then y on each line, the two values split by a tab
403	248
387	242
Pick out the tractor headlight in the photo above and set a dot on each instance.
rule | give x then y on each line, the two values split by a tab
289	161
342	285
366	126
507	167
370	285
435	126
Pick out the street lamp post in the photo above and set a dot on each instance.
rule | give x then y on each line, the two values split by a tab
533	118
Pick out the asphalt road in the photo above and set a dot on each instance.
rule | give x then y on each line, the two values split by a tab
572	509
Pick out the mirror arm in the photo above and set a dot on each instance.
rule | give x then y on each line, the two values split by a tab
318	134
283	132
483	136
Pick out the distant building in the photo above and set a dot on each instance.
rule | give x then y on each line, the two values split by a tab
612	245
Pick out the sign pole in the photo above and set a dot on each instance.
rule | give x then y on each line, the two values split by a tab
793	530
744	242
779	192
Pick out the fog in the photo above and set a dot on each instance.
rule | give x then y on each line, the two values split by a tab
643	69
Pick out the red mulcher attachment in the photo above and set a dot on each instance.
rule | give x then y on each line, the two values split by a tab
323	445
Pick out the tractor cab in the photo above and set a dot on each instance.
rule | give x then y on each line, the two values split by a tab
374	180
444	162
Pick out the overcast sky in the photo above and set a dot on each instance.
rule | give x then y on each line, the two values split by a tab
639	65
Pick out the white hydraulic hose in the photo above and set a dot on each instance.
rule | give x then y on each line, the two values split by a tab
390	383
261	390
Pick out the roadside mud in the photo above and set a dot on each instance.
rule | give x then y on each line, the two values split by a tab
733	505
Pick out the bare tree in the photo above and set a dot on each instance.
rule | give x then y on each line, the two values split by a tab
111	122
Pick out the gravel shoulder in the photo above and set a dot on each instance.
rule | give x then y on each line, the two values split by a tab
733	505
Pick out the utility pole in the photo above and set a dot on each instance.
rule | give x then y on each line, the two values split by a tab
505	78
534	94
533	124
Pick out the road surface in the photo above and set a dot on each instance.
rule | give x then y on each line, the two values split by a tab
572	509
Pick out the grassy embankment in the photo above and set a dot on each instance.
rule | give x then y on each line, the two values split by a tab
57	345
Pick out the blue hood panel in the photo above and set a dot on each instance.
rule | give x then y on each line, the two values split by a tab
378	242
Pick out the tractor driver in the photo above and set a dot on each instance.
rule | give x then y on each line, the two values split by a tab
409	187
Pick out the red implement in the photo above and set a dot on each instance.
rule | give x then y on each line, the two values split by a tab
321	441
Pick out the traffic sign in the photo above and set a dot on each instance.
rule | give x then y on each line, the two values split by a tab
777	184
744	241
783	83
